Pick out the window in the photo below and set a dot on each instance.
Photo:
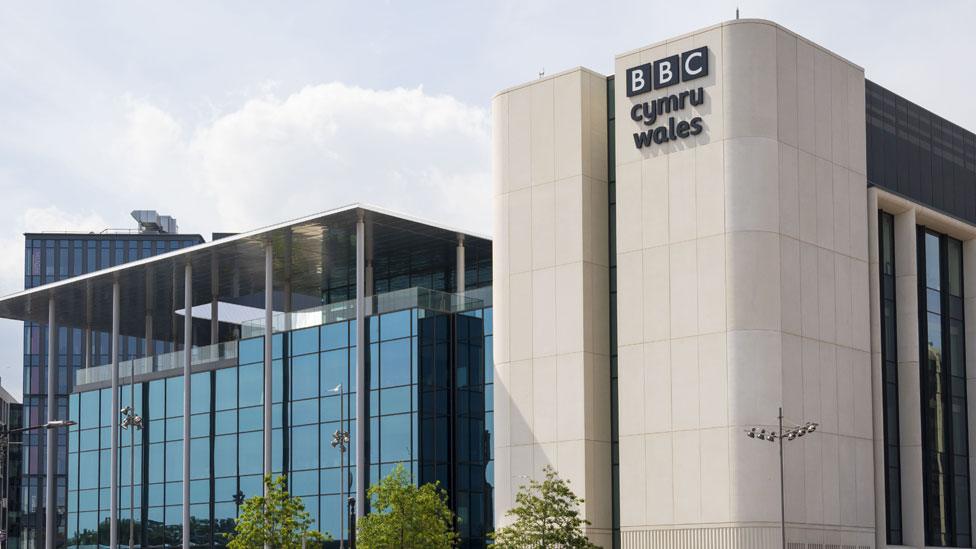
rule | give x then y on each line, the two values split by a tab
945	451
889	378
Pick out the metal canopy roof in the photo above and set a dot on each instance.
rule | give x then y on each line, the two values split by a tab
305	250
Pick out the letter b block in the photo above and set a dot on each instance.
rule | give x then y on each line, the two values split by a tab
638	79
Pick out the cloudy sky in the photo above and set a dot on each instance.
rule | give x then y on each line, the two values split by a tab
231	115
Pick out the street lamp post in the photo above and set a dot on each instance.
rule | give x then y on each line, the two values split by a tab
5	433
130	419
340	440
772	436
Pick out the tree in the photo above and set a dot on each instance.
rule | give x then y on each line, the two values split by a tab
546	516
406	516
277	519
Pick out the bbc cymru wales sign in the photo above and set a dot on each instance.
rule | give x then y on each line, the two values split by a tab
663	73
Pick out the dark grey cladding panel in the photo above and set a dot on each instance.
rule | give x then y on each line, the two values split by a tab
920	155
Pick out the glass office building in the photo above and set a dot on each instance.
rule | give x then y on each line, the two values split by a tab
49	258
403	359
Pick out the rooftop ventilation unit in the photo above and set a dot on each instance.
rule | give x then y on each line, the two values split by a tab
150	222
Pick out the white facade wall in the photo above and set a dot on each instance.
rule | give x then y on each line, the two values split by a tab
551	290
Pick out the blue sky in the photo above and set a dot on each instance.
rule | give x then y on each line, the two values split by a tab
230	115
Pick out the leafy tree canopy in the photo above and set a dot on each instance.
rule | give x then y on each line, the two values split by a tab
406	516
546	516
276	519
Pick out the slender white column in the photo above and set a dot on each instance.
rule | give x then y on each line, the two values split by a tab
460	266
268	333
113	512
187	361
877	384
909	388
361	417
50	480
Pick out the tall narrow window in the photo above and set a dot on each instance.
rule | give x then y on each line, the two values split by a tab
945	448
889	377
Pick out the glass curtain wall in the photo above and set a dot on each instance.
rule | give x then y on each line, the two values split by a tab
944	415
889	377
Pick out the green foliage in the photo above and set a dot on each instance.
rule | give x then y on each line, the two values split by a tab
277	519
406	516
546	516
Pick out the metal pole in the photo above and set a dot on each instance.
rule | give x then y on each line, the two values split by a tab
782	488
187	361
50	501
268	333
342	470
114	461
361	410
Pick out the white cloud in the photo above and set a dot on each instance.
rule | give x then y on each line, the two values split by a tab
321	147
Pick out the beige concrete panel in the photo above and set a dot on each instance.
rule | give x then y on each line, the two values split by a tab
545	404
713	380
749	76
596	281
860	309
542	138
755	378
856	122
568	127
520	408
794	470
710	188
543	334
656	306
809	290
569	309
805	106
859	214
596	247
807	196
913	515
753	281
827	285
822	63
711	284
831	478
755	476
659	490
520	231
596	391
502	402
792	364
842	210
828	388
791	294
845	391
595	127
629	208
752	184
543	454
631	387
864	483
598	505
843	300
499	145
519	138
520	320
813	485
572	404
823	172
810	362
500	283
682	207
543	225
685	378
715	475
786	94
683	260
657	384
687	477
630	298
503	485
861	374
654	202
789	201
568	220
633	499
847	480
839	109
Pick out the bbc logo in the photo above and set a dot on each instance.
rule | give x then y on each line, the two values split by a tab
666	72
